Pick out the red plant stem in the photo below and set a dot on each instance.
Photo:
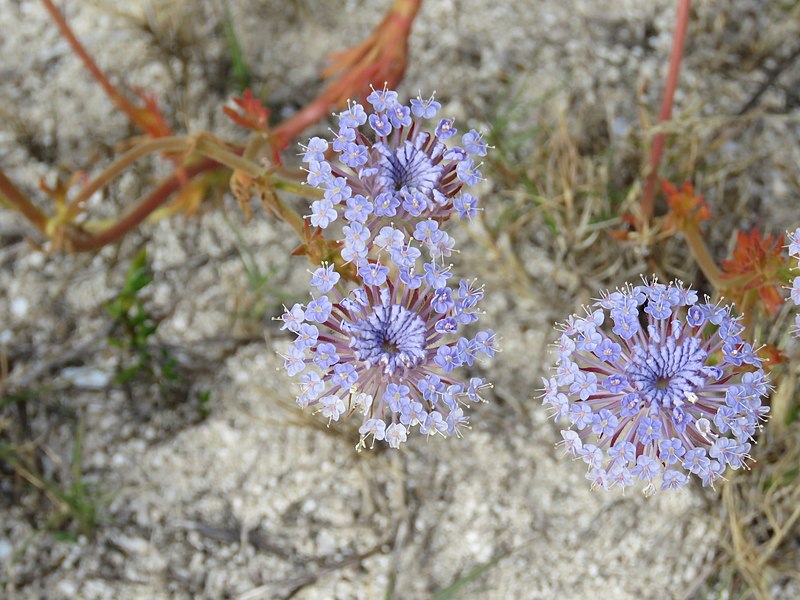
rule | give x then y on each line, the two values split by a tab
398	20
681	24
116	96
148	146
9	191
84	243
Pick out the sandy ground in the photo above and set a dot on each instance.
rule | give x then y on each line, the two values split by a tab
253	501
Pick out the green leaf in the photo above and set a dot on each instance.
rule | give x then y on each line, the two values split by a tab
451	590
127	374
65	536
241	72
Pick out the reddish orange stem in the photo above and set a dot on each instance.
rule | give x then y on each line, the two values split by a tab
125	105
21	203
678	39
369	59
141	211
396	25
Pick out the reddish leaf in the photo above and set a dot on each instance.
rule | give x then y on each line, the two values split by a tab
685	208
758	264
150	118
251	114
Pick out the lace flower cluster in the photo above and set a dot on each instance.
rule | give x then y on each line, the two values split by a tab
656	387
390	343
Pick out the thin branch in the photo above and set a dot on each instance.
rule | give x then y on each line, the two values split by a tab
149	146
678	39
772	77
19	201
135	114
380	58
207	147
83	243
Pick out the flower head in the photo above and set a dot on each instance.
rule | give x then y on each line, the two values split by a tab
652	383
389	169
390	349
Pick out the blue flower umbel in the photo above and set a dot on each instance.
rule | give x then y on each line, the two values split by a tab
389	349
390	342
794	251
656	387
390	169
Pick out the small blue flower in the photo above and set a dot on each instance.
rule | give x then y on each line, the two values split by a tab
386	204
448	358
485	341
342	141
353	116
646	468
355	242
413	202
400	116
466	206
405	255
319	309
293	318
467	172
325	355
331	407
389	237
383	100
380	124
354	155
468	350
445	129
344	375
396	434
294	362
374	274
322	213
656	381
318	173
473	143
443	300
441	245
337	190
615	383
324	278
315	151
426	231
306	335
396	396
410	278
373	427
584	384
425	109
358	209
436	276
